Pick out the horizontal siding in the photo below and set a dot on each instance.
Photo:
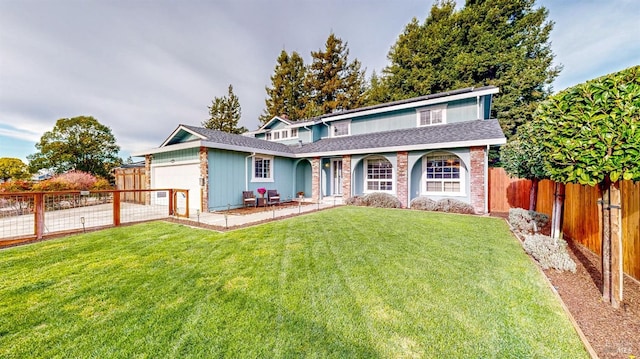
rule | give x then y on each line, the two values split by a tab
462	110
188	154
384	122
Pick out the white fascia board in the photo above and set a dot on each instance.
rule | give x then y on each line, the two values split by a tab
427	102
430	146
275	118
175	132
223	146
179	146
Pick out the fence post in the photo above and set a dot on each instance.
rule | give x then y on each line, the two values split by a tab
116	208
171	209
38	214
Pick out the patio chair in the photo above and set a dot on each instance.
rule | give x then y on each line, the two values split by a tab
273	197
248	198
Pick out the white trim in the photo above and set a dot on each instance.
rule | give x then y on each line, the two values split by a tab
427	102
431	146
461	180
365	164
218	146
332	128
419	111
175	163
171	148
253	168
175	132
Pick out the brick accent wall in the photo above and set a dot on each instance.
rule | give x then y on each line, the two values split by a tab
147	184
477	178
315	178
204	173
402	176
346	176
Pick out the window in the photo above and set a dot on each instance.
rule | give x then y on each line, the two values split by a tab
268	136
379	176
276	135
443	174
432	116
341	128
284	134
294	132
262	169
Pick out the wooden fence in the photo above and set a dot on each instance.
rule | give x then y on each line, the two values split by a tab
132	178
581	219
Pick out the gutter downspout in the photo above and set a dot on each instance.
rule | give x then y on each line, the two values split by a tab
246	171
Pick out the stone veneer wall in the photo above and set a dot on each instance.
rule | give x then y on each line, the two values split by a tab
402	176
315	178
477	175
204	173
346	176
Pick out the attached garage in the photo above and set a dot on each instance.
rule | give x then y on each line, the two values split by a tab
178	176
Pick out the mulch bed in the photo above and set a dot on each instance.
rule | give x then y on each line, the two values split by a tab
613	333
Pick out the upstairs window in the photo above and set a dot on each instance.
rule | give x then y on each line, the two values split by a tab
294	132
276	135
267	136
262	169
435	115
342	128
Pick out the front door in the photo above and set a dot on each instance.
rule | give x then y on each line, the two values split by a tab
336	175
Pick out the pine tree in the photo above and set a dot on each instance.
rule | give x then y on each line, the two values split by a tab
287	94
504	43
225	113
333	82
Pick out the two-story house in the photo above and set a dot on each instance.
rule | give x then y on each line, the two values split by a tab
434	146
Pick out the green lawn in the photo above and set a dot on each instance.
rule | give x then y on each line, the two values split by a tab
349	282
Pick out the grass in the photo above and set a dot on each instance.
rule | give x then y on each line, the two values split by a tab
349	282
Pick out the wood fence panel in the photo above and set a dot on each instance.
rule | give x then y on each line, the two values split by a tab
631	227
581	220
544	204
131	178
506	192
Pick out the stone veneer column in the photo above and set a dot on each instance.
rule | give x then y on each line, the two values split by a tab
147	174
315	178
346	176
402	182
204	173
477	178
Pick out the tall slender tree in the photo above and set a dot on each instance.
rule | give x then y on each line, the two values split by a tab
333	82
225	114
504	43
287	94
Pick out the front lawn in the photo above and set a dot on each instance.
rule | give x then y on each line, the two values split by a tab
345	283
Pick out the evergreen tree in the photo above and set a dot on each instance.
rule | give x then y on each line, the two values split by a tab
504	43
333	82
287	94
225	113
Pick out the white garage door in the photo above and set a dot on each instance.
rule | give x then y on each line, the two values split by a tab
179	177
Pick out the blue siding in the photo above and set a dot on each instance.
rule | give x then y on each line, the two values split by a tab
226	178
189	154
384	122
487	106
462	110
303	178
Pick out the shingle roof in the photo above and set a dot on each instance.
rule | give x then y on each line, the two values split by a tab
468	131
251	143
